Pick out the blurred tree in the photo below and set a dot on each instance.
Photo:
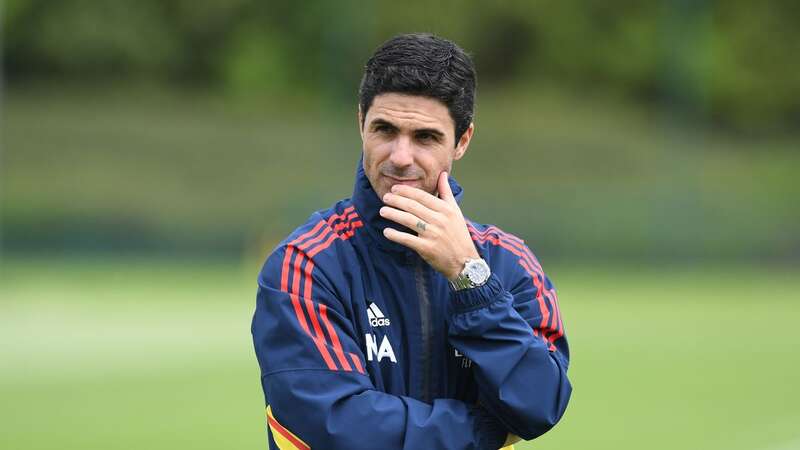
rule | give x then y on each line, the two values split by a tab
256	60
80	38
734	63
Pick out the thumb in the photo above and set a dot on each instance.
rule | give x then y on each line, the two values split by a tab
445	193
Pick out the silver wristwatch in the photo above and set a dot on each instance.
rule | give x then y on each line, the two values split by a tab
475	273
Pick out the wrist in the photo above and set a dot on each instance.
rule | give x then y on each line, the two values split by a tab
458	266
475	273
465	300
456	269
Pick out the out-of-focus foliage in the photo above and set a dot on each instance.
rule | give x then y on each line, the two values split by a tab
733	63
575	176
605	129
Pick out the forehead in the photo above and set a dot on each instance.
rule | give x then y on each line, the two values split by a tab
412	111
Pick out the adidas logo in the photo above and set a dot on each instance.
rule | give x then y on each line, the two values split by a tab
376	317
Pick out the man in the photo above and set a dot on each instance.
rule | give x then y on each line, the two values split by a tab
389	320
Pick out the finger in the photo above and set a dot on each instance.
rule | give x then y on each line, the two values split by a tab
406	239
410	205
445	193
424	198
401	217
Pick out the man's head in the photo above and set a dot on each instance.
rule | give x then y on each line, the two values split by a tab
416	104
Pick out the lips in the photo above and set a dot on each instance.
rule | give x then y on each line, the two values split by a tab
401	180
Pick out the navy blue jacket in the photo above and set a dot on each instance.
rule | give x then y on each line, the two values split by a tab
363	345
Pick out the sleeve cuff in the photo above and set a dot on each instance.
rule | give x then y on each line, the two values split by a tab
476	298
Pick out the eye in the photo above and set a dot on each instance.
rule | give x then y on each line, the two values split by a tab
426	137
383	129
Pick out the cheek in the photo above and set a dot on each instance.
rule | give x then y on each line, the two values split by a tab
433	164
372	161
375	152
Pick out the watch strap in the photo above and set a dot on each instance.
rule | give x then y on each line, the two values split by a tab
463	280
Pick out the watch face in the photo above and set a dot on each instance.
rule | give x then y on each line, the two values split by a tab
478	271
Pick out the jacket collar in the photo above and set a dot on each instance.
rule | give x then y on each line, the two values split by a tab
368	204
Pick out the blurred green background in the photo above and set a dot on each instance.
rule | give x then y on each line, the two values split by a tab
154	152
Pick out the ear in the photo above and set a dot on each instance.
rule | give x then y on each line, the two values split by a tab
463	142
360	118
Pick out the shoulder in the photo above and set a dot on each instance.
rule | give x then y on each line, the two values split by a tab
318	242
323	228
504	251
495	240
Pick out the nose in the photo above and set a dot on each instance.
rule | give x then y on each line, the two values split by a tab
402	152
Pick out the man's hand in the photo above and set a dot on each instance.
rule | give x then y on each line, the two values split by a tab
442	236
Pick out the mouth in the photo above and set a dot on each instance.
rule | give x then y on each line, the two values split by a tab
409	182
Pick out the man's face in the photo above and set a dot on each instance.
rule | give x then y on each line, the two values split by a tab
409	139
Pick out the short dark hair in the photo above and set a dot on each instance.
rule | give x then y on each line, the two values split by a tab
426	65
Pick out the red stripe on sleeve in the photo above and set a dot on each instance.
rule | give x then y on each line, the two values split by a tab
337	346
559	323
542	305
322	246
337	217
309	233
304	248
318	338
525	265
285	269
350	221
514	241
550	332
296	275
298	311
531	258
312	242
313	251
356	362
342	225
539	297
353	227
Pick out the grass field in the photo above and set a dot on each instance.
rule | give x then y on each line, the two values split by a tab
156	354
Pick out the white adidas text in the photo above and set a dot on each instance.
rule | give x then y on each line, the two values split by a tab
376	317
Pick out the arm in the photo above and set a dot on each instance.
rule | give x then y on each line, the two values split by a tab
520	358
518	349
314	378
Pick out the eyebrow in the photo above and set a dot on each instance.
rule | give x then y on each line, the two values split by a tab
377	122
434	131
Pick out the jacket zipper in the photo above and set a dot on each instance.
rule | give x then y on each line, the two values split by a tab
425	323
